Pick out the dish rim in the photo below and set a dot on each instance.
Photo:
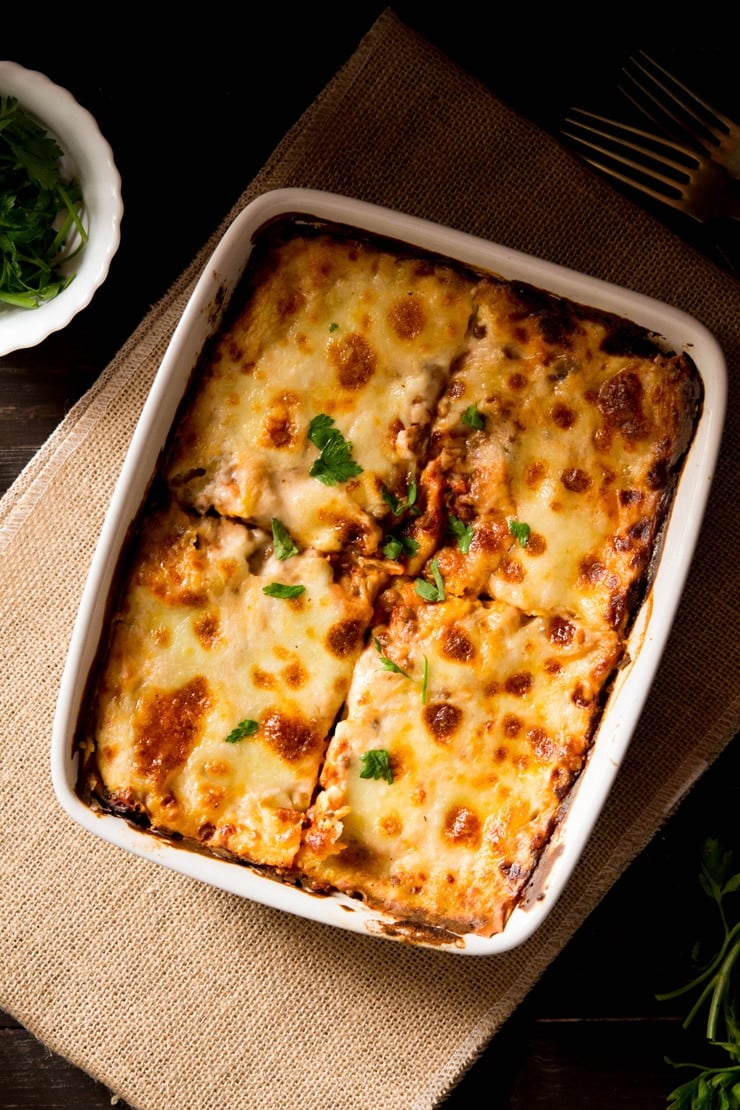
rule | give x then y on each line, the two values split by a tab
198	322
88	156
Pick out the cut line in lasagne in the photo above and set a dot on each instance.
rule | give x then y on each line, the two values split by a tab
368	619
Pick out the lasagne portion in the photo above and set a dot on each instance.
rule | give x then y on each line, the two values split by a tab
556	444
467	722
371	612
227	667
316	403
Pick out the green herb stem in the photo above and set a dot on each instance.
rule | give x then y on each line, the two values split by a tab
719	1003
714	1087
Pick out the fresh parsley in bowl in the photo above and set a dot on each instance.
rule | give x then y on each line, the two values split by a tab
60	207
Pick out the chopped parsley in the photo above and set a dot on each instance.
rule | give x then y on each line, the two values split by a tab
396	546
335	463
425	681
376	764
398	506
388	664
473	418
520	532
279	589
333	326
282	540
431	591
245	728
463	532
38	210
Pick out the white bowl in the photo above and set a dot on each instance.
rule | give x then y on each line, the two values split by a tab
200	320
89	159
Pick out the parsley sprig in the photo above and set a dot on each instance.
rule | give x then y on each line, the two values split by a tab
376	764
389	665
399	505
335	463
431	591
714	1087
463	533
282	540
520	531
38	211
245	728
473	418
282	590
396	546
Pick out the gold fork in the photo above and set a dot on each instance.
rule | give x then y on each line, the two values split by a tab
660	168
674	107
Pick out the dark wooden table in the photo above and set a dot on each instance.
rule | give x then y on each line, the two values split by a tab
591	1032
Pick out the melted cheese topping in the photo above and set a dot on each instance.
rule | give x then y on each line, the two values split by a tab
481	758
199	648
341	330
579	442
241	722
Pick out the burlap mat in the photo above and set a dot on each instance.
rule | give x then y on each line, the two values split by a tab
175	994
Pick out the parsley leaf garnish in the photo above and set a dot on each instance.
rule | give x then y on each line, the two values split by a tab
282	540
398	506
431	591
473	418
396	546
247	727
393	547
38	211
425	681
463	532
279	589
376	764
333	326
519	531
335	463
388	664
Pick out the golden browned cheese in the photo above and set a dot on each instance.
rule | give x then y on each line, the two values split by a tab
365	629
579	425
199	651
331	329
487	728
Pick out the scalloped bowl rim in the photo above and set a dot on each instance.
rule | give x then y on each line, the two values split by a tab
88	156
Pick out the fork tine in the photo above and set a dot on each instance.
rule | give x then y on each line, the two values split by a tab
703	124
663	169
671	194
662	141
640	187
622	135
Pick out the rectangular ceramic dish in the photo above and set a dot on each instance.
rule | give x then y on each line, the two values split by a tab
199	323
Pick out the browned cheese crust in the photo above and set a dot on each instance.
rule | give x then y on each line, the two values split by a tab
370	614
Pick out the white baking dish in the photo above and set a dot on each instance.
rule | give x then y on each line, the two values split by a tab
199	322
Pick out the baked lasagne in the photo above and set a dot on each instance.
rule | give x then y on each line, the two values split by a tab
369	616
